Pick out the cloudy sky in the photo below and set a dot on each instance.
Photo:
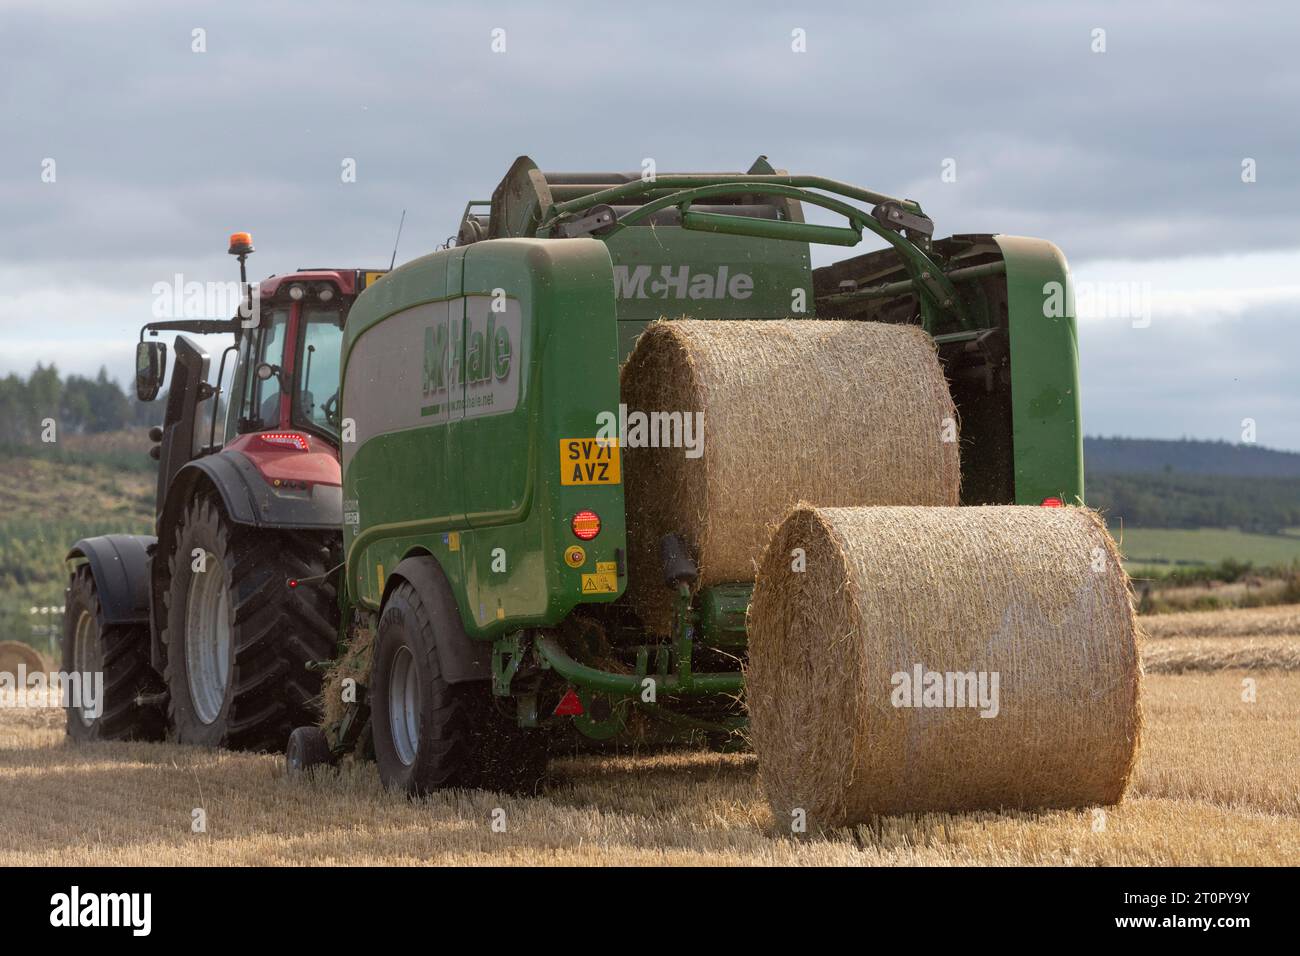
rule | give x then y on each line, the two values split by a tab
1130	159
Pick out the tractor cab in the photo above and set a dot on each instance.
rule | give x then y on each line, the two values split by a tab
275	393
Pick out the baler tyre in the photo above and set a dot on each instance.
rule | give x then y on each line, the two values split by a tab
308	748
121	653
430	735
237	638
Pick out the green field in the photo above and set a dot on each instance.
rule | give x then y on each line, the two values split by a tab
1174	547
86	485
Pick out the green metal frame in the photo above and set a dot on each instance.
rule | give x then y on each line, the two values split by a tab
926	276
670	679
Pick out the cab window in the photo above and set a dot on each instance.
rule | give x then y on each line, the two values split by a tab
318	369
266	347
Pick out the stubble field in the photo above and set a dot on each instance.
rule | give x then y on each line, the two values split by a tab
1218	783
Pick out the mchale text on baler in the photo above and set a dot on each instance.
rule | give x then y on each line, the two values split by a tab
197	633
485	527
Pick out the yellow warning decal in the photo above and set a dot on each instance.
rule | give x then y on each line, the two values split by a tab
602	582
379	573
589	461
372	277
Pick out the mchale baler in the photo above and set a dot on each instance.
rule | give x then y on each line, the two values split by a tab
485	522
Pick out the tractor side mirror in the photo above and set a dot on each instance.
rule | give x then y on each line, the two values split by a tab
150	369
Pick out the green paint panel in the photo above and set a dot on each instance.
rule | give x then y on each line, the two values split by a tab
1047	433
674	273
531	358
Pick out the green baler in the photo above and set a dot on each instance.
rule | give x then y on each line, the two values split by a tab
475	378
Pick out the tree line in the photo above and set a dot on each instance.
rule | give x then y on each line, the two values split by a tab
78	405
1264	505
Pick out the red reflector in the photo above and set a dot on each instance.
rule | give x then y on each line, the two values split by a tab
586	525
1053	503
293	582
286	440
569	705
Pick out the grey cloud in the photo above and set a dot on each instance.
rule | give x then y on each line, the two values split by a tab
1130	154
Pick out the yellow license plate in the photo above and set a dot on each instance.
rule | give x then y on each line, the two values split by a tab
589	461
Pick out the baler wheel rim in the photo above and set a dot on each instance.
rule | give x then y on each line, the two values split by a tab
404	705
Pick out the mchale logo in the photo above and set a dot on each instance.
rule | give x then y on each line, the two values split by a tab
680	283
487	355
74	909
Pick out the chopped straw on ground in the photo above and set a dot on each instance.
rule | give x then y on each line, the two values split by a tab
1204	641
353	663
1281	621
1185	655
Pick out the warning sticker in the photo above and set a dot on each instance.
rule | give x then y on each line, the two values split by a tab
589	461
602	582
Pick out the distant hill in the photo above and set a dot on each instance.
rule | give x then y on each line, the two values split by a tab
1146	456
54	494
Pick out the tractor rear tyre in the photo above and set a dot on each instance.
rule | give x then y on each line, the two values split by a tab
237	638
431	735
121	653
308	748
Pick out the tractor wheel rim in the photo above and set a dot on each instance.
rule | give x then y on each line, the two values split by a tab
404	706
207	639
86	655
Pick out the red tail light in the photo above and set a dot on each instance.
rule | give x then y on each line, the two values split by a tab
586	525
569	705
1053	503
286	440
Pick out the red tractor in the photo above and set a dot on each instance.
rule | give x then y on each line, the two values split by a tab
205	631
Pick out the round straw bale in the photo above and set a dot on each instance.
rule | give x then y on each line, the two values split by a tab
13	653
839	413
889	597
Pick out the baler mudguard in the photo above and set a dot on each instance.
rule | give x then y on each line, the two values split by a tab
460	658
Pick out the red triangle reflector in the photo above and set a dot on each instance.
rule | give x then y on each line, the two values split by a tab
569	705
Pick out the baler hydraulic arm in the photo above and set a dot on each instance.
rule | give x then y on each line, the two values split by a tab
900	222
